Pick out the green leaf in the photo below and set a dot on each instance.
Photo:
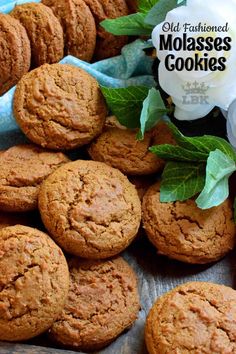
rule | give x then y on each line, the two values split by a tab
181	181
182	2
219	169
159	11
126	103
204	144
153	110
131	25
145	6
177	153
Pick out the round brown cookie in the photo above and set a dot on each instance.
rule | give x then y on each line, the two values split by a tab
34	282
14	53
182	231
107	44
78	25
90	209
193	318
59	106
23	168
103	301
120	149
44	31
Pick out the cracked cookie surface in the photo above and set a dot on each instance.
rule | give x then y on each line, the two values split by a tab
182	231
34	282
120	148
59	106
78	25
14	52
107	45
44	32
90	209
103	301
193	318
23	168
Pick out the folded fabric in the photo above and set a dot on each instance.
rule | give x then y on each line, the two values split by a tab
131	68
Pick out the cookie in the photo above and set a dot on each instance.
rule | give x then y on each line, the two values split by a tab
34	283
14	54
78	25
193	318
59	107
107	45
23	168
103	301
44	31
182	231
120	149
90	209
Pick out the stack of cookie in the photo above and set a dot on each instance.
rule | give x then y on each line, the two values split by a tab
71	281
38	33
90	209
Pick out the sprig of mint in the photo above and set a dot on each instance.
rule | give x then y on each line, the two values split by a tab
153	110
150	14
135	106
126	103
181	181
218	170
131	25
199	164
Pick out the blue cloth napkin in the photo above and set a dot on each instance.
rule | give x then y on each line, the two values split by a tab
131	68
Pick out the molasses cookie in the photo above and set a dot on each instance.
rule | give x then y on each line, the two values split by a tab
107	44
103	301
44	31
193	318
23	168
120	149
14	53
90	209
182	231
78	25
60	107
34	283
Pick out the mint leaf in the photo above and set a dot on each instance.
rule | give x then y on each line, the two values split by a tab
131	25
159	11
126	103
219	169
153	110
204	144
177	153
146	5
181	181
